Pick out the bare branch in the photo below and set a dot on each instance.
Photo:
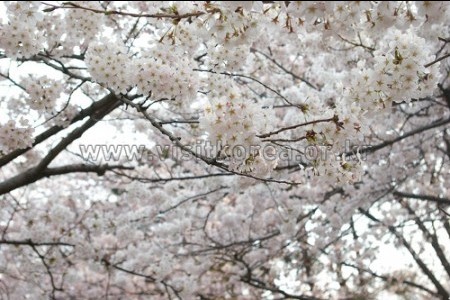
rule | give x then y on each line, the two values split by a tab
284	69
30	243
422	197
437	60
72	5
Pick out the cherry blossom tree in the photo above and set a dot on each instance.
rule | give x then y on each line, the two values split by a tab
225	150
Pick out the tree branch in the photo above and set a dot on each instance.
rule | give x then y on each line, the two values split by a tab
404	136
437	60
187	149
442	292
30	243
422	197
49	272
33	174
284	69
431	237
5	159
386	278
72	5
266	135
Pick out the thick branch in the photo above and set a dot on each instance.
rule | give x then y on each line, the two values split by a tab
33	174
404	136
77	133
83	168
30	243
5	159
422	197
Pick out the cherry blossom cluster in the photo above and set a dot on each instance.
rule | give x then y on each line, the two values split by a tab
64	116
187	36
224	58
153	74
240	76
14	137
18	36
159	78
58	34
44	93
233	123
80	26
108	63
398	75
233	24
337	17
